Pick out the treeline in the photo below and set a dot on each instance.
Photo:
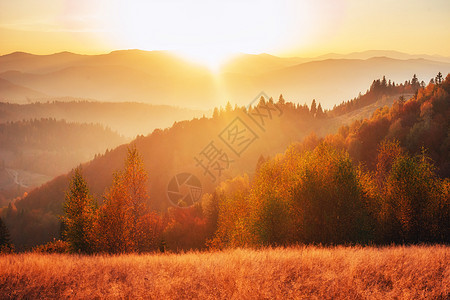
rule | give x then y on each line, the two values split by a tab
379	88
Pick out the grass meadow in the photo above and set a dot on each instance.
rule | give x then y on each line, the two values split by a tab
310	272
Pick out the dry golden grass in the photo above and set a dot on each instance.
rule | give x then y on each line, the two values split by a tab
415	272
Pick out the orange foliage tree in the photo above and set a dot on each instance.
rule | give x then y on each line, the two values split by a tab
125	222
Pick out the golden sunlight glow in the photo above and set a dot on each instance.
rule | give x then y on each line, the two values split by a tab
209	31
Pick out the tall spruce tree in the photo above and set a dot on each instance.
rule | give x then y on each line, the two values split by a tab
313	109
439	78
320	113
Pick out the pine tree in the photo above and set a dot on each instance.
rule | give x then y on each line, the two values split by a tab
261	161
262	101
5	240
439	78
415	81
79	215
216	113
320	113
313	109
383	82
228	107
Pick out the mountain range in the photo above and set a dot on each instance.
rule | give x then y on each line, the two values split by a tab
160	77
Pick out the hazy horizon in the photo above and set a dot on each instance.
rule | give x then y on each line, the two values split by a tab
232	55
211	31
164	77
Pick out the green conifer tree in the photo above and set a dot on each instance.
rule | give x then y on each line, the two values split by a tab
5	239
79	215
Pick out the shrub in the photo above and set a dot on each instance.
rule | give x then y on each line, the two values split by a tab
55	246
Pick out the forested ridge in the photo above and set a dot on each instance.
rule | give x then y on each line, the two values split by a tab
379	88
56	135
127	118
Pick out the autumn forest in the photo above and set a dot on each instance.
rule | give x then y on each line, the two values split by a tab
382	180
224	149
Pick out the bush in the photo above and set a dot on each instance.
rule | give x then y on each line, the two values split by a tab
7	249
55	246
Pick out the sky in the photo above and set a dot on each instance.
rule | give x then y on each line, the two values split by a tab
209	31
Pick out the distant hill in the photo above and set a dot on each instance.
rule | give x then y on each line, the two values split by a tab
119	83
39	64
128	119
16	93
254	64
384	53
158	77
162	62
